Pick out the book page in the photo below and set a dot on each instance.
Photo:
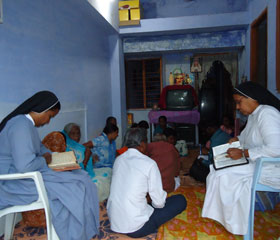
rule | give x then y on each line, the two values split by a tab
220	156
222	149
63	159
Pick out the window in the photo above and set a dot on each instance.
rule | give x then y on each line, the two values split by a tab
143	82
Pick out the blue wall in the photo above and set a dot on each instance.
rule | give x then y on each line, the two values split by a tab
58	45
177	8
188	42
118	85
66	46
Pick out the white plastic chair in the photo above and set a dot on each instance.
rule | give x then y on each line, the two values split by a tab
256	186
42	202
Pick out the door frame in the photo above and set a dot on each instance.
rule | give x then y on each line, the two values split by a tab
254	46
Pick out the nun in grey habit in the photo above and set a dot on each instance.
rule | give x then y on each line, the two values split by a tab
72	196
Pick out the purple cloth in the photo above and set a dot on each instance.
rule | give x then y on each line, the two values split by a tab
190	117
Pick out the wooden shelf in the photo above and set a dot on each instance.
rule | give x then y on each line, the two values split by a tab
129	23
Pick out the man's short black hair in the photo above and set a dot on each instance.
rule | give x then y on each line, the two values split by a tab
110	128
134	125
169	132
143	124
109	119
163	117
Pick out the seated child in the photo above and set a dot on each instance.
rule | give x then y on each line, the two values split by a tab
200	168
228	126
162	124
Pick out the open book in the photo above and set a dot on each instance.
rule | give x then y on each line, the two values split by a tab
64	161
220	159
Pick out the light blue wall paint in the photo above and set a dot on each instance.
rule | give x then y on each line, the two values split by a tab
256	7
177	8
118	85
196	41
188	24
59	45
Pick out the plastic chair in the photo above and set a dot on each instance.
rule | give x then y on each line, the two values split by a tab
256	186
42	202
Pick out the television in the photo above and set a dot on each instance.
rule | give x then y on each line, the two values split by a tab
179	99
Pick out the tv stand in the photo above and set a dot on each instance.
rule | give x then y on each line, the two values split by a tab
184	117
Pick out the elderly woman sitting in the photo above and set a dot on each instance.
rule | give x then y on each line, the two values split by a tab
100	176
72	134
68	140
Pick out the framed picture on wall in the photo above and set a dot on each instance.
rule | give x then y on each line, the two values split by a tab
1	12
196	64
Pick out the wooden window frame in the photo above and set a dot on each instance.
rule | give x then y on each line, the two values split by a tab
254	45
278	46
144	80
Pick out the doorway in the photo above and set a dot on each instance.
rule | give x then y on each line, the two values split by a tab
258	56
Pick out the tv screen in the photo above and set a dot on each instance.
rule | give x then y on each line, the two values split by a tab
179	99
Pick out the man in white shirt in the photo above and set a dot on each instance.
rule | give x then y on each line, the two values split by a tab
134	176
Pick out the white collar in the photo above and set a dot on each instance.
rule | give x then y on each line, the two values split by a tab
30	118
256	110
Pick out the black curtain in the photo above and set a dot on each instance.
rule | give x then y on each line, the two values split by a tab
215	97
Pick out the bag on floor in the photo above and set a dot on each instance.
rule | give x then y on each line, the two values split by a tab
199	171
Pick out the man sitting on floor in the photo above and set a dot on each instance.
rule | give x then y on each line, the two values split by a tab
134	176
167	157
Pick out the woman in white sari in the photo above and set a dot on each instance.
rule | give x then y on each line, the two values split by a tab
228	192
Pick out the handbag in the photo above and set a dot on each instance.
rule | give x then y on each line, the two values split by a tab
199	171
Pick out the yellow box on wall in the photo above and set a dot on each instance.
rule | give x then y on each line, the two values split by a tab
129	13
129	4
124	15
135	14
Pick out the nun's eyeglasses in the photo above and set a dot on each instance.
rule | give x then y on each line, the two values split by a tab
237	102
